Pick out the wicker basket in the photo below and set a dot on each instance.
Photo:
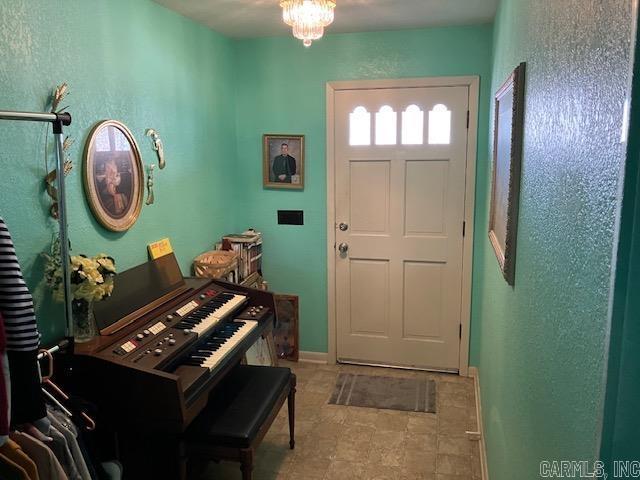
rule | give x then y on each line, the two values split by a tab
215	264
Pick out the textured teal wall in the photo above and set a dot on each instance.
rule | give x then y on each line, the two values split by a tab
281	89
128	60
621	435
543	344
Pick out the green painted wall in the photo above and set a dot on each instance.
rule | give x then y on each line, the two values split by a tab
542	345
136	62
281	89
621	435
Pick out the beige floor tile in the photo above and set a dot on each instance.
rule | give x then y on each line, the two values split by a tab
380	472
418	463
308	468
392	420
387	448
453	427
353	451
454	465
335	442
455	445
422	423
421	442
332	414
315	447
341	470
361	416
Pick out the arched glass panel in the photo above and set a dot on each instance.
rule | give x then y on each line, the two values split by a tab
413	126
440	125
359	127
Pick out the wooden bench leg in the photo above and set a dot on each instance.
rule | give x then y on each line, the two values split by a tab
291	404
246	463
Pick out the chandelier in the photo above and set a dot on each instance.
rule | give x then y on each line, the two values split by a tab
308	17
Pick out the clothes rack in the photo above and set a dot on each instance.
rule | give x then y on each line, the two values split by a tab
58	121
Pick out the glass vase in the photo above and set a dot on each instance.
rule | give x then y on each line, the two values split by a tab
84	322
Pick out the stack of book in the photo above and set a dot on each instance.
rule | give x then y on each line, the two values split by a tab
248	246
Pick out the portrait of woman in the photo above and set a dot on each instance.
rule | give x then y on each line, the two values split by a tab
113	175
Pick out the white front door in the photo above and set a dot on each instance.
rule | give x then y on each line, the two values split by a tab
400	167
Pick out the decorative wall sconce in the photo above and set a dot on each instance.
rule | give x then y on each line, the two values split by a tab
156	143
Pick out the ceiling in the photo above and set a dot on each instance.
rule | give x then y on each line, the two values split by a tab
258	18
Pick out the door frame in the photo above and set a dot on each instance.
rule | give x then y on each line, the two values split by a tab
473	83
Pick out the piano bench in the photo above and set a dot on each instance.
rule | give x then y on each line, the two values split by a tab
238	415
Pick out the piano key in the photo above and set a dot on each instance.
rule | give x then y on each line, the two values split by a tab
228	303
245	327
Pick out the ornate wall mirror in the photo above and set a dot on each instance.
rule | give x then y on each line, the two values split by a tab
113	175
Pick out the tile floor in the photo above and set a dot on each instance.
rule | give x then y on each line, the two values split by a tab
353	443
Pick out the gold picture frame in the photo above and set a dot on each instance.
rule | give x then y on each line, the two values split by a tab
507	160
113	175
283	161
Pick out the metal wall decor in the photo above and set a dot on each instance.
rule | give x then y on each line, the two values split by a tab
507	159
113	175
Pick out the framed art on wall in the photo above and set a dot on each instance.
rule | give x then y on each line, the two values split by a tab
283	161
113	175
507	159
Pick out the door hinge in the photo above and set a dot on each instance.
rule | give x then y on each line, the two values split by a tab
468	114
464	228
460	332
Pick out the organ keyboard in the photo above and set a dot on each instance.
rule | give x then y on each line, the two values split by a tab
170	341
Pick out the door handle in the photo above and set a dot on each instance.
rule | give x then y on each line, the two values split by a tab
343	248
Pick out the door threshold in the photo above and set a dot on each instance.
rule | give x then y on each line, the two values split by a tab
397	367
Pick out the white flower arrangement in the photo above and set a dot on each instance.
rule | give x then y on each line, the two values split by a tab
91	277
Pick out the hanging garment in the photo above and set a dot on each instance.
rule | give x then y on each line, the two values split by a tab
5	385
11	471
61	450
13	452
16	302
22	336
27	404
48	466
64	425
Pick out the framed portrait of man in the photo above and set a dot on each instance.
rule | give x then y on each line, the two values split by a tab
283	161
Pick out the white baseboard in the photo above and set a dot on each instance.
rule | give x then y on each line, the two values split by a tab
475	374
313	357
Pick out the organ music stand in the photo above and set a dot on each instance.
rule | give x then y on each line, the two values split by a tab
57	120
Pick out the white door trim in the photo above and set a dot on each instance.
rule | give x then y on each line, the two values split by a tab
473	82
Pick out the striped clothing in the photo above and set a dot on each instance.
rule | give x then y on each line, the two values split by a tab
16	302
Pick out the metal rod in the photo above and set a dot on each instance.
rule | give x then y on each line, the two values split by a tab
57	120
64	237
28	116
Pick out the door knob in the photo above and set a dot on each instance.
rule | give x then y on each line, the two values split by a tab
343	247
343	227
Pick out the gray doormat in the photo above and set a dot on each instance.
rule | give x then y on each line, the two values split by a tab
406	394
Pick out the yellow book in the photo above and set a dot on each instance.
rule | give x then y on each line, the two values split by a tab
160	248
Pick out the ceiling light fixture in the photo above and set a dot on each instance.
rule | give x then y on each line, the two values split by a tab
308	17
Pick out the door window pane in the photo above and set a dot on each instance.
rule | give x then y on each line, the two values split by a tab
412	126
386	126
359	127
440	125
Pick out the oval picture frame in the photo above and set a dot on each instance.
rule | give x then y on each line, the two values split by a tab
113	175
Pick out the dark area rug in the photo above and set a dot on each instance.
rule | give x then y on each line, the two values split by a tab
406	394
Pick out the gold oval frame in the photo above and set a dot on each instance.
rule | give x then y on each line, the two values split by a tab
99	212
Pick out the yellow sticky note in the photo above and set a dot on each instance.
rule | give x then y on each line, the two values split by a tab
160	248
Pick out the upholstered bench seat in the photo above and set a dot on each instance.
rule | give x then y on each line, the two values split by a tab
239	413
